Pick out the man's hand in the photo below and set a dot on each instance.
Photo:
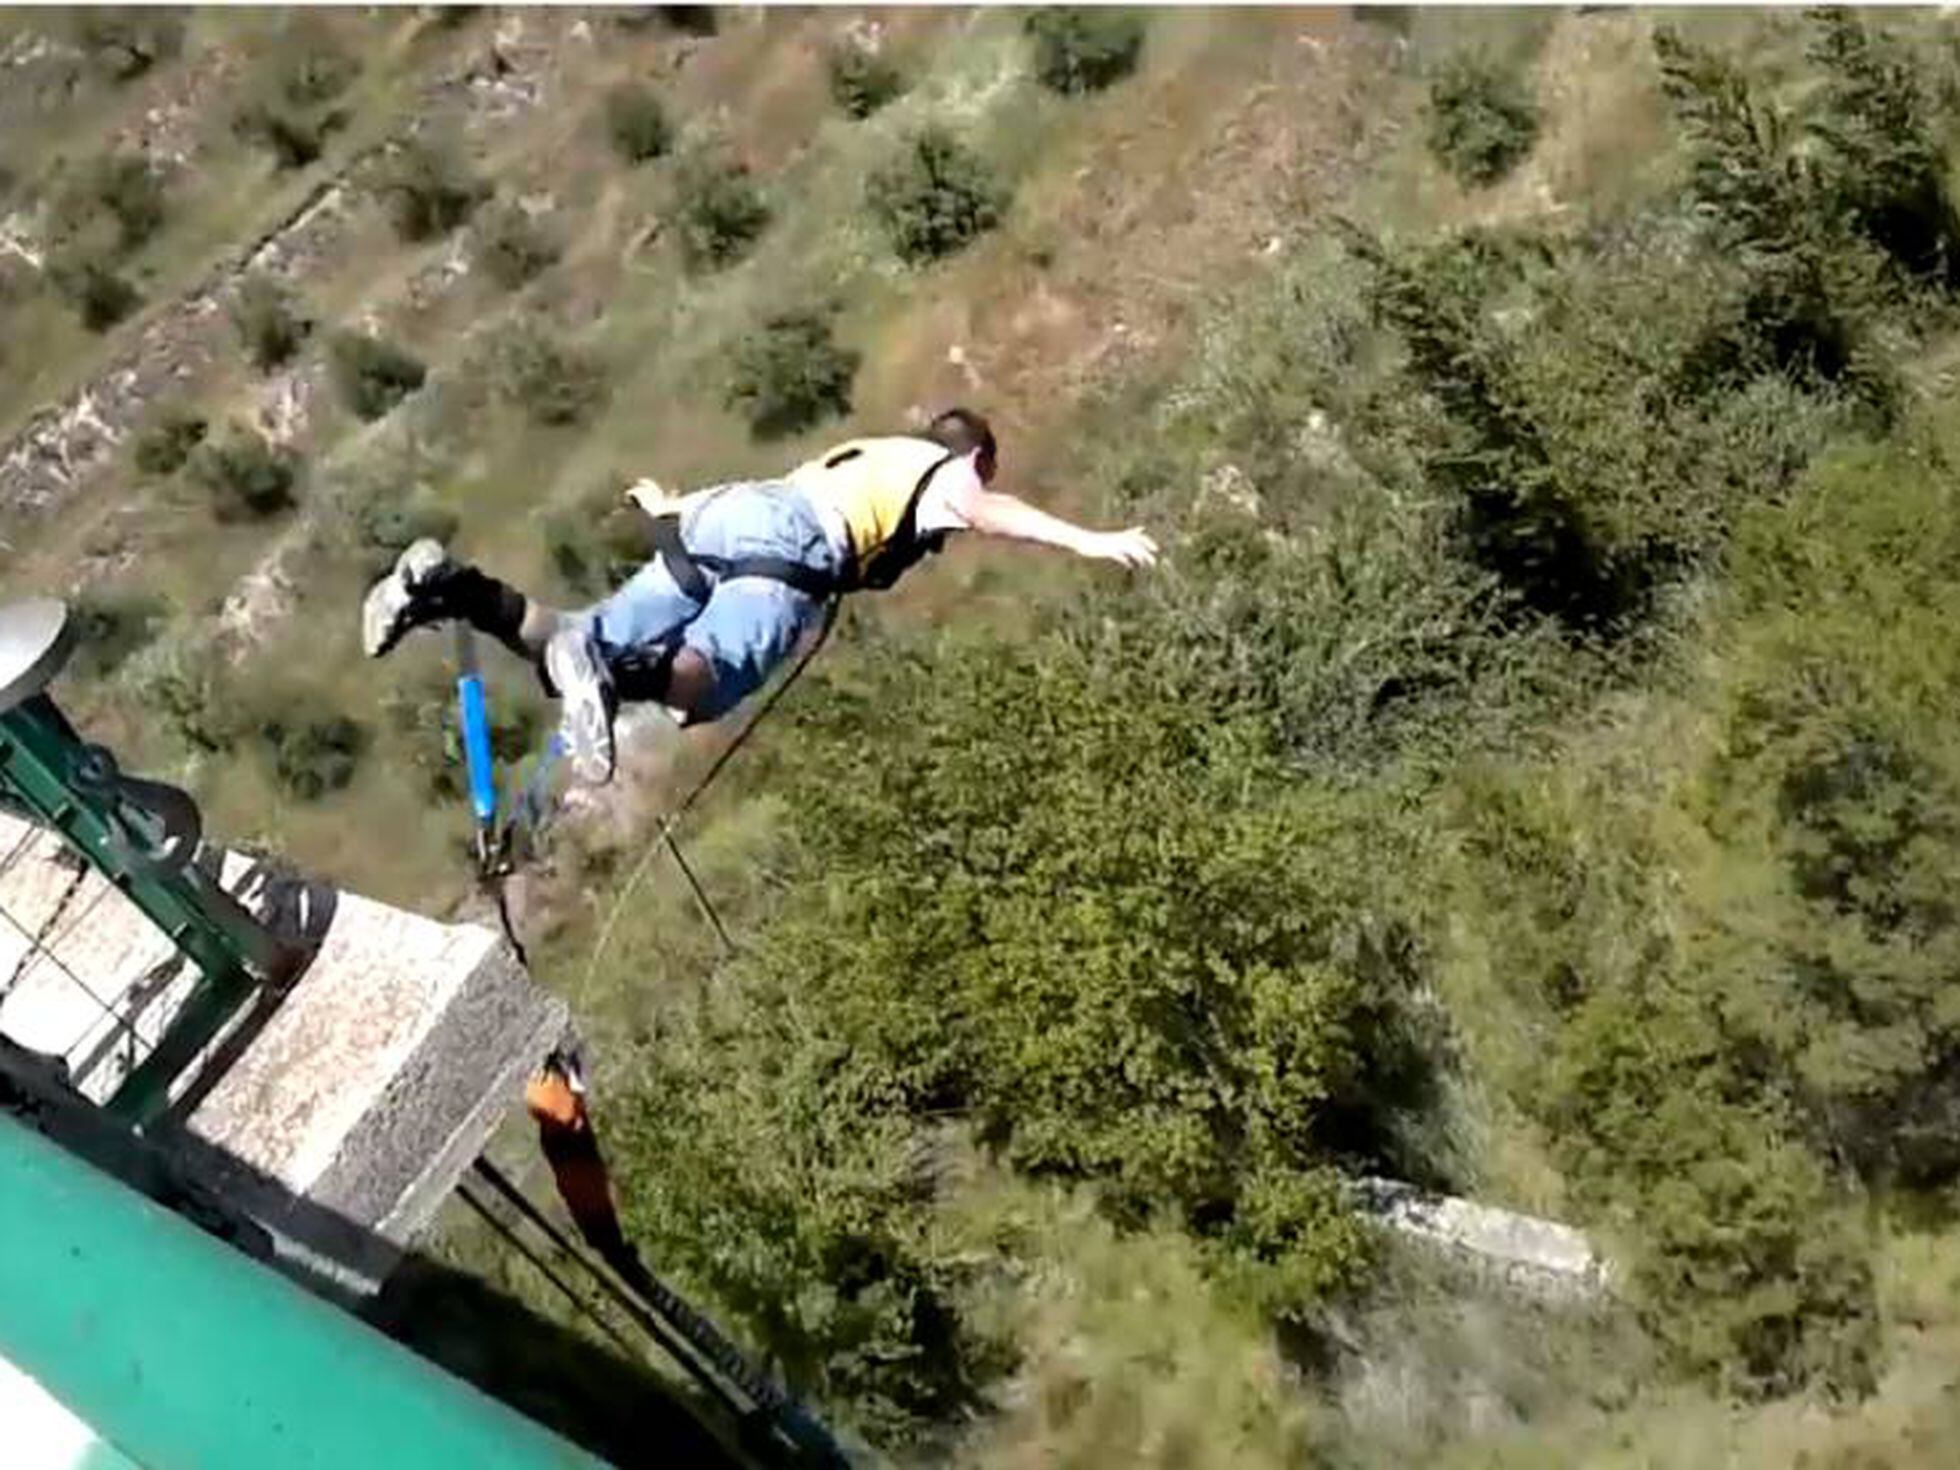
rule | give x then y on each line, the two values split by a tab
1131	548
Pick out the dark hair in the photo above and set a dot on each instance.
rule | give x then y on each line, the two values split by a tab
963	431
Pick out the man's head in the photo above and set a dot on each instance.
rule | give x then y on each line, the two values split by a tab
963	431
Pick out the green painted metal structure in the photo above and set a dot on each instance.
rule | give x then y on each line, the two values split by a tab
142	837
184	1353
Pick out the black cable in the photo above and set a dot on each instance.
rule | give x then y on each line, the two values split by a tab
544	1268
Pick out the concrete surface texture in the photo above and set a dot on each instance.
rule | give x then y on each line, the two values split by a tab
338	1110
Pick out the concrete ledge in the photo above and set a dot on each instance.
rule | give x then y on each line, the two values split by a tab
340	1111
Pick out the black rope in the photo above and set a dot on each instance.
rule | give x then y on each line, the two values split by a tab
690	1338
544	1268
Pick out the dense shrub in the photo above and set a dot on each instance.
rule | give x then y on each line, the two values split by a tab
292	137
552	381
166	442
269	325
424	718
428	188
637	123
289	113
111	626
126	190
596	544
1060	980
188	688
1082	48
389	520
511	246
1883	163
123	44
313	751
791	375
372	374
1482	120
861	80
935	198
722	213
91	285
247	478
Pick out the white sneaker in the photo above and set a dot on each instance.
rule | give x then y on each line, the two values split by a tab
400	601
585	696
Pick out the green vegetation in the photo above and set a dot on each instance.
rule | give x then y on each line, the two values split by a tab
247	478
100	295
791	375
556	384
1482	119
268	322
167	440
935	198
511	246
1528	773
290	112
120	44
722	213
862	80
111	626
1084	48
428	188
312	750
373	374
637	123
596	543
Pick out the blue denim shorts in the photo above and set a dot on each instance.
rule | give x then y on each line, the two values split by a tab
747	625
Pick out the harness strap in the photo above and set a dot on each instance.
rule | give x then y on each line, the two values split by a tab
686	567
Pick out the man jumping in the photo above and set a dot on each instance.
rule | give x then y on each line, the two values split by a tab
741	573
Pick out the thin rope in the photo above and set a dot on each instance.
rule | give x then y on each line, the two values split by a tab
639	871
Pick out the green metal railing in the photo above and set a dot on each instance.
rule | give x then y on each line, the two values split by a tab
142	836
180	1351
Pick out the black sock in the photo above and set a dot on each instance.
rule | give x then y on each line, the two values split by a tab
486	604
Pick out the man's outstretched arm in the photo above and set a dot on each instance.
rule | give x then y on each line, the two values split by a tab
994	513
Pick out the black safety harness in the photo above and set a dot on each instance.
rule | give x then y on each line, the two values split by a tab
875	571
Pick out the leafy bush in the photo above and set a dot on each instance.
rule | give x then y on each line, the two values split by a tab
248	478
637	123
862	81
428	189
1482	120
722	213
425	719
554	383
791	375
935	198
289	113
91	285
268	323
188	686
1084	49
1884	165
387	522
313	751
372	374
112	626
123	44
596	544
293	137
511	246
124	188
166	442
